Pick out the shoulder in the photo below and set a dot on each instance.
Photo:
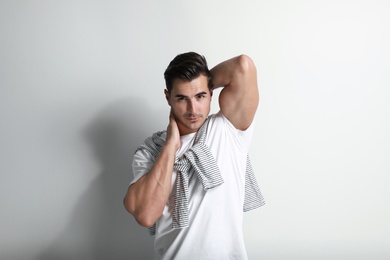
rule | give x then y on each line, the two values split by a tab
146	154
152	145
219	120
220	128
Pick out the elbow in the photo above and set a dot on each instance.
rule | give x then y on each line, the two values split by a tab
143	217
145	220
246	64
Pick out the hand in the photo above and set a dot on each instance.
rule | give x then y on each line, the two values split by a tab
173	134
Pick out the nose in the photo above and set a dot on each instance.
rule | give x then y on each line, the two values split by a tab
191	106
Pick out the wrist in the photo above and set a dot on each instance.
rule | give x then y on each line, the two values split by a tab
172	145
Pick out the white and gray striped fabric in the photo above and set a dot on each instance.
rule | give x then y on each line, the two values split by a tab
199	159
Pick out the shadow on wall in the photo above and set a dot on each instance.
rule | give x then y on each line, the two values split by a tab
100	227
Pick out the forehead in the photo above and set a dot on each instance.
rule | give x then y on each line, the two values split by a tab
199	84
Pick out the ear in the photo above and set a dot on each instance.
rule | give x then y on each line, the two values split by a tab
167	96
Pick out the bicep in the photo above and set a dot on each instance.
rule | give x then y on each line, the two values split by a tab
239	99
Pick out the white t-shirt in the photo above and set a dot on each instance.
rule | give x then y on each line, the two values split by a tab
215	216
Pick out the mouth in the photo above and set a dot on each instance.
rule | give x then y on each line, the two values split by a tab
192	119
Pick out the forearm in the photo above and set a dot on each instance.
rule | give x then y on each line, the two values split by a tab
146	198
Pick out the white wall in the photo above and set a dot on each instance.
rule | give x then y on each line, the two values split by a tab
81	86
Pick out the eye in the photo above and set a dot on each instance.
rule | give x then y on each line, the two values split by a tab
200	96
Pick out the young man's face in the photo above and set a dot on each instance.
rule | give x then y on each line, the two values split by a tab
190	103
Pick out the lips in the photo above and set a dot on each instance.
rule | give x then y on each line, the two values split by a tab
192	119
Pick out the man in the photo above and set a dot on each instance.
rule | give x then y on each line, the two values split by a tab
194	180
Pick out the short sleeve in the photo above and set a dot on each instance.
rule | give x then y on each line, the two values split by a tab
143	162
245	136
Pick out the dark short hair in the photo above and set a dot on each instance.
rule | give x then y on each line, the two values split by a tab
187	66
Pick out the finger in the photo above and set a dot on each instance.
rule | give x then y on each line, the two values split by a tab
172	116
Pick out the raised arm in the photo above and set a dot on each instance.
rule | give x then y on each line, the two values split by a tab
146	198
239	99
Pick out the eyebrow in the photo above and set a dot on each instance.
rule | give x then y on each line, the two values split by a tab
183	96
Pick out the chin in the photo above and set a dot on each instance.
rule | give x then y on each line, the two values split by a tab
190	128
